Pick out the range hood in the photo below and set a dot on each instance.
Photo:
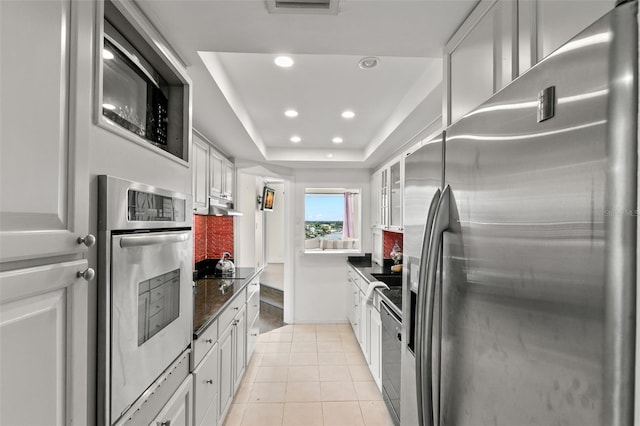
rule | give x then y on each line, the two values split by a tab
221	208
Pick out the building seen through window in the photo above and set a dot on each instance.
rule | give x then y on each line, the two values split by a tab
332	219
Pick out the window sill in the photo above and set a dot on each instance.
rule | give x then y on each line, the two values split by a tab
333	251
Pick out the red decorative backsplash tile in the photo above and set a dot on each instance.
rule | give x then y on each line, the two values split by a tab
388	240
212	235
219	236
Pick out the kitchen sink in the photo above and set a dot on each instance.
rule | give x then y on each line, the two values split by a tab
390	279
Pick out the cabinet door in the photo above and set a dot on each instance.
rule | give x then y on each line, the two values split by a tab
375	200
200	173
178	411
363	314
216	172
384	198
206	385
378	247
229	172
554	29
44	180
395	199
43	345
225	345
240	346
375	343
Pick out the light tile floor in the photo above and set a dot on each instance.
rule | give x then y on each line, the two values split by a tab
307	375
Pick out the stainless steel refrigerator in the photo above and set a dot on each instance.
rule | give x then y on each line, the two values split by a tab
520	247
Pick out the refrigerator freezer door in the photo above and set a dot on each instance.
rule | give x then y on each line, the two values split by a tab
524	262
423	179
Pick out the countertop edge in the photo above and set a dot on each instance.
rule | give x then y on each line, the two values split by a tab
206	325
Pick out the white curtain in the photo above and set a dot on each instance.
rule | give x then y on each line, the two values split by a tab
348	227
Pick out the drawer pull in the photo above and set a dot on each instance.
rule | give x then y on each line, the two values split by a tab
209	341
210	381
235	308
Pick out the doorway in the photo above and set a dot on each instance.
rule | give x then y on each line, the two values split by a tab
272	277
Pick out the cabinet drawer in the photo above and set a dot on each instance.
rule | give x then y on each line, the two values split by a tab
236	304
206	387
254	286
252	337
205	342
253	306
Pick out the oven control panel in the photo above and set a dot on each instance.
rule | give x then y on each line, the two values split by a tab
147	207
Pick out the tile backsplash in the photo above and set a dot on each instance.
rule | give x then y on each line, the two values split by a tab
388	240
212	235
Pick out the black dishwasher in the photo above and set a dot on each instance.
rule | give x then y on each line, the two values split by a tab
391	368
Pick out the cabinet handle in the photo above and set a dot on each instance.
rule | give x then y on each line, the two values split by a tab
210	341
88	274
89	240
254	334
210	381
235	308
167	423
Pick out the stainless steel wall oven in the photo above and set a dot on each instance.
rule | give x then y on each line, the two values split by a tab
146	296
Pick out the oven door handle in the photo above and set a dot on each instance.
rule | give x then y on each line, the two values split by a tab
153	239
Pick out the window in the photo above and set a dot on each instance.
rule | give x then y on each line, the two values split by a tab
332	220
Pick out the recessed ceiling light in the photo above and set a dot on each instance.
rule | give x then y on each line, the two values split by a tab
295	139
348	114
291	113
329	155
106	54
337	139
283	61
368	62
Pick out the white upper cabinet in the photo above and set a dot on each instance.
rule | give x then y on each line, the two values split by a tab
44	179
501	39
215	169
200	173
556	22
229	172
396	179
478	58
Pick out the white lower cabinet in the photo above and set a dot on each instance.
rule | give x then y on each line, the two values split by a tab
366	323
43	345
240	347
375	345
225	349
205	388
253	312
232	353
178	411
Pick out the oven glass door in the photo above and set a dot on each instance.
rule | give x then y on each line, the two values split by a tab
151	309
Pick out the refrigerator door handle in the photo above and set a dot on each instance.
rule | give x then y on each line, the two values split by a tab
440	225
421	302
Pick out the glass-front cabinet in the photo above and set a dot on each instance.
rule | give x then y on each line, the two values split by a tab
395	196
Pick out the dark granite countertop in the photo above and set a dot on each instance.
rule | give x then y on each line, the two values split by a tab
213	293
365	267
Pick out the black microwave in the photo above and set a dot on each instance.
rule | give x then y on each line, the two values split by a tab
133	94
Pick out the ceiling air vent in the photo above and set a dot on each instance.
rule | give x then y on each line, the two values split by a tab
328	7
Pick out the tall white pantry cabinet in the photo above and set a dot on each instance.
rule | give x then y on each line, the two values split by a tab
45	118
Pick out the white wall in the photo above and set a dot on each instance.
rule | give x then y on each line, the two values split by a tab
275	226
320	279
246	225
